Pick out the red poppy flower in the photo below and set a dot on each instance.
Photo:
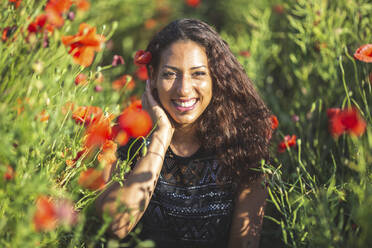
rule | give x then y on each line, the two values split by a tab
98	132
289	141
150	23
38	24
9	174
125	80
135	121
122	138
84	44
108	153
141	73
82	5
142	57
81	79
92	179
246	54
54	10
347	120
364	53
278	8
87	114
7	32
43	116
45	217
274	122
16	2
193	3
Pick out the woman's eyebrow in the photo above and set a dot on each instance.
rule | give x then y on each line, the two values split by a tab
171	67
197	67
192	68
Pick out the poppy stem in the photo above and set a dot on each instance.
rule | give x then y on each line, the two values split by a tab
344	82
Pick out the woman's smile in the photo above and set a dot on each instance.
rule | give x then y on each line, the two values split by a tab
185	105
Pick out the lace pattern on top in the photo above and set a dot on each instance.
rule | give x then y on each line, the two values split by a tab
192	203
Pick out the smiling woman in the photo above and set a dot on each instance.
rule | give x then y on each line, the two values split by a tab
183	82
195	186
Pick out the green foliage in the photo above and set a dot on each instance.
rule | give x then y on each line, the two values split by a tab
300	59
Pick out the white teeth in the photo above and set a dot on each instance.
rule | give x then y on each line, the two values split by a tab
186	104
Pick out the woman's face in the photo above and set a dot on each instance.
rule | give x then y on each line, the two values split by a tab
183	81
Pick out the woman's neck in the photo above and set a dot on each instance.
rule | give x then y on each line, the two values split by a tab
185	142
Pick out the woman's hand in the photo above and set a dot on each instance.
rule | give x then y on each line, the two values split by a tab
157	113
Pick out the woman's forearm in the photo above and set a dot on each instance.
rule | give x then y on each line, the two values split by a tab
126	204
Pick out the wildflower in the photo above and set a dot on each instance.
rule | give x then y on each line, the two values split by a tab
150	23
347	120
92	179
246	54
71	15
82	5
37	25
141	73
65	212
142	58
59	6
7	32
124	81
193	3
98	88
45	217
135	121
97	133
364	53
278	8
16	2
295	118
274	122
119	136
84	44
87	114
108	153
289	141
43	116
117	60
81	79
9	174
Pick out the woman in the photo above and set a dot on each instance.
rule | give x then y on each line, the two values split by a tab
195	186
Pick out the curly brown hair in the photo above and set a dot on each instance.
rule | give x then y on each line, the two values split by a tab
236	124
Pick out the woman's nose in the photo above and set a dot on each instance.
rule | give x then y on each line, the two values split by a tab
184	86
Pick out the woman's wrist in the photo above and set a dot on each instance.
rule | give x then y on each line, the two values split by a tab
160	141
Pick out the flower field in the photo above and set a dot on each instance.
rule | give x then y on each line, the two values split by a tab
71	76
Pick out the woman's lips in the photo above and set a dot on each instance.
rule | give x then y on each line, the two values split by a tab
185	105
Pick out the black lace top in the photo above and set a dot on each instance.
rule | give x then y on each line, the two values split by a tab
192	204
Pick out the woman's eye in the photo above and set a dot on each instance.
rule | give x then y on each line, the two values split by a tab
168	74
199	73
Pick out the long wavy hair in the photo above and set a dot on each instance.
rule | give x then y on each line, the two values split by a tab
236	124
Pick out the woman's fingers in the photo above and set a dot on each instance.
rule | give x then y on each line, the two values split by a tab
152	102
